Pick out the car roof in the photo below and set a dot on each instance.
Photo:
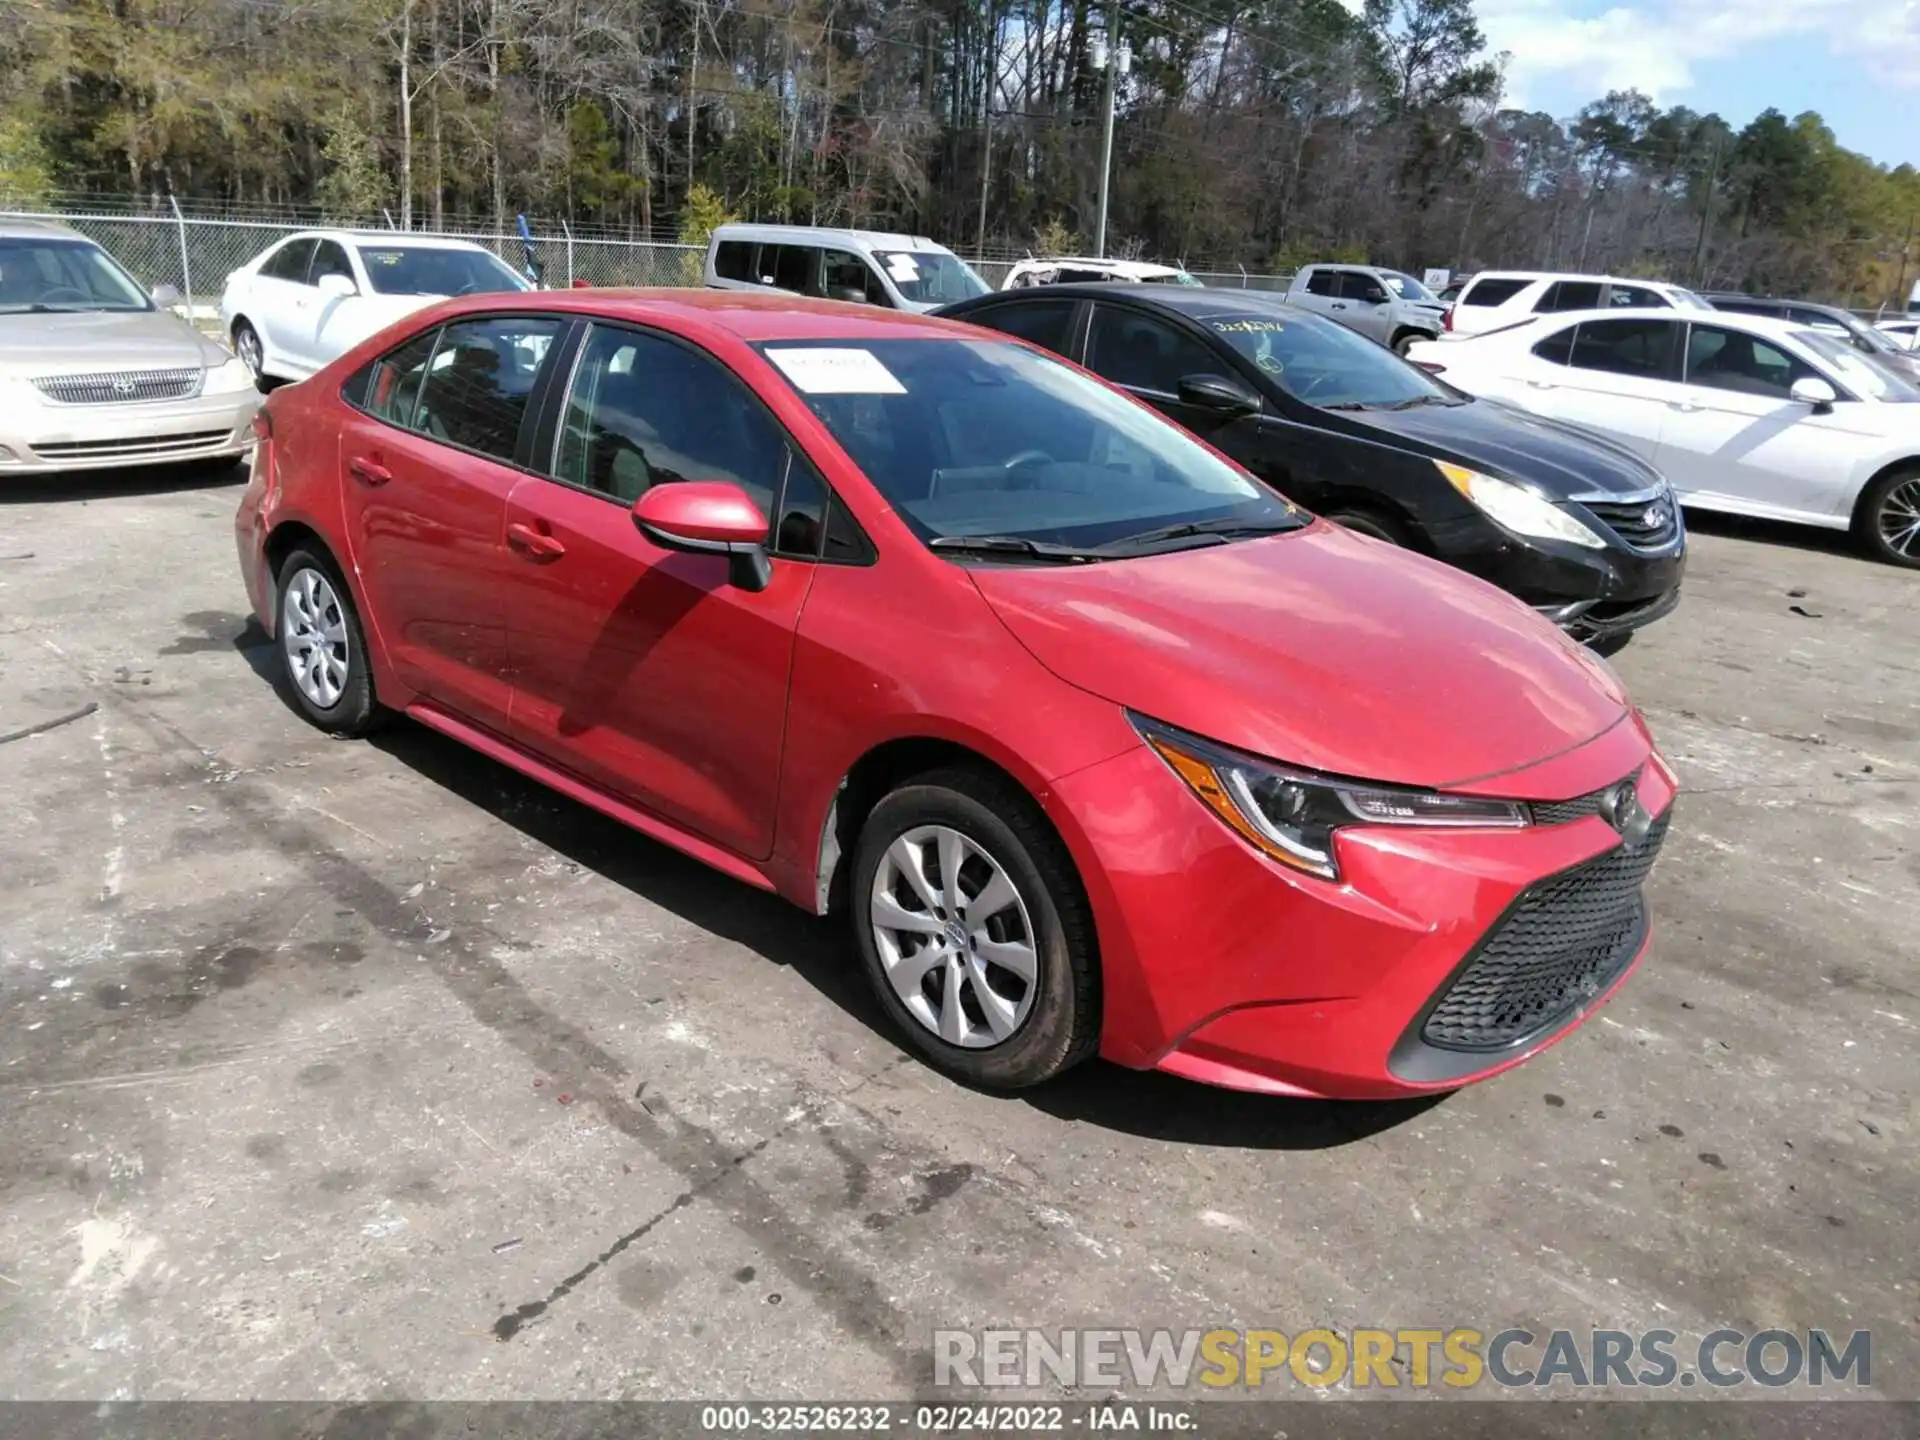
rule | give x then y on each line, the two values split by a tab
1198	300
390	237
1781	301
746	315
38	230
821	234
1731	319
1532	275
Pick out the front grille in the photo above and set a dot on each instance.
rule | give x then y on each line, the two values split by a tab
1560	812
121	387
130	448
1628	520
1563	942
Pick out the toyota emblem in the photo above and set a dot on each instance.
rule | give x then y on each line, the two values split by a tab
124	387
1620	807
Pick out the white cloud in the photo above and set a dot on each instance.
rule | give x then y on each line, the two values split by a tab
1656	45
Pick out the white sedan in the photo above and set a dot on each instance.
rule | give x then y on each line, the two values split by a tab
316	295
1744	414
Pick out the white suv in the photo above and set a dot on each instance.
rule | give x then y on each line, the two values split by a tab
1506	297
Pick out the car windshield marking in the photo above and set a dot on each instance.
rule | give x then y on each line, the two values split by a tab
1326	365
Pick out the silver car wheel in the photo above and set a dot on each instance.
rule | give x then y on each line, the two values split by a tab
954	937
313	637
1899	518
246	344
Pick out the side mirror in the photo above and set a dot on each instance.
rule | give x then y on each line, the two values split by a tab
851	295
1218	394
1374	295
709	517
166	296
1811	390
336	286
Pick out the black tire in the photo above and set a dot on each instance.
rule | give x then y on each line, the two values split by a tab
246	344
1868	528
356	710
1062	1027
1371	522
1405	340
1608	646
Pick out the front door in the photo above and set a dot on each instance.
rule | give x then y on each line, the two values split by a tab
1148	357
642	670
427	463
280	295
1736	437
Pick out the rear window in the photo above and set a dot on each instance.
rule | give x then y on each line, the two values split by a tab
733	260
1040	322
1492	290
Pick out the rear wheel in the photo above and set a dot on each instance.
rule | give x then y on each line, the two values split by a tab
323	651
975	931
1887	523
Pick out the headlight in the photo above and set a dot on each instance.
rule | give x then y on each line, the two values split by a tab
1290	815
228	379
1516	508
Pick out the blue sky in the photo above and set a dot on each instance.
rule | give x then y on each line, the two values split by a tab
1857	62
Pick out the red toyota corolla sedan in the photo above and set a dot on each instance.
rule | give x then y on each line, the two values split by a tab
1098	743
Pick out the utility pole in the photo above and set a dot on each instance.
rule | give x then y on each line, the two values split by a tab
1115	59
986	170
1706	218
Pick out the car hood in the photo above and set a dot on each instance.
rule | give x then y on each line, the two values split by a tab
1505	441
1321	649
79	342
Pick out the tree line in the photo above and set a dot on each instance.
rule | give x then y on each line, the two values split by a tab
1258	133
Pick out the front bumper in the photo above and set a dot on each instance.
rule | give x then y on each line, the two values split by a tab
1590	594
40	438
1223	967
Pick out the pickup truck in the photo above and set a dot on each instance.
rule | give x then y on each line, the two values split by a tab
1383	305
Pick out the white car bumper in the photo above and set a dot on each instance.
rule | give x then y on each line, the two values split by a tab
38	436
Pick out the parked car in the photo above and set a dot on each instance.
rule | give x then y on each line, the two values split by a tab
1576	527
1383	305
315	295
1744	414
900	272
1903	333
1831	320
1496	298
1451	291
1078	269
94	373
1068	715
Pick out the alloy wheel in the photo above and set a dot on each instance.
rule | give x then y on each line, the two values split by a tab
313	634
1899	519
954	937
247	345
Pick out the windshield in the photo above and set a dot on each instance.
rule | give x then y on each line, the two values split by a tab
930	277
431	270
1862	374
1329	365
1172	277
55	274
987	438
1406	287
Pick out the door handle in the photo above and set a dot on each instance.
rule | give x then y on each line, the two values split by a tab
1685	407
1337	305
368	472
1540	384
533	544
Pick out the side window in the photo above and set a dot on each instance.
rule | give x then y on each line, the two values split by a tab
1360	286
1046	323
786	267
1144	353
845	276
1735	360
1642	348
475	391
648	411
733	260
1636	297
289	262
1492	290
1570	295
329	258
1069	276
388	388
1324	282
1557	349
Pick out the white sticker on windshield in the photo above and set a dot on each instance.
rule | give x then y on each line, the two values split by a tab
902	267
836	372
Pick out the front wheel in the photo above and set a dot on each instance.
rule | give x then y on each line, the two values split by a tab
1888	521
975	931
1365	522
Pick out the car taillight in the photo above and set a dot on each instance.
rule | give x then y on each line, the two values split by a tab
1430	367
262	425
1446	318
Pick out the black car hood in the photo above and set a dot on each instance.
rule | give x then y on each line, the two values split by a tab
1505	441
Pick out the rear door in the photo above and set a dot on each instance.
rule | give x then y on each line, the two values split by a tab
1620	377
639	669
1480	304
436	442
1320	293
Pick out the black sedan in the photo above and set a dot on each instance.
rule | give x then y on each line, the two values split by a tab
1577	527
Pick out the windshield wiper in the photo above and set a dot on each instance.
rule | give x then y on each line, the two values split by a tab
1415	401
1010	545
1214	531
1345	405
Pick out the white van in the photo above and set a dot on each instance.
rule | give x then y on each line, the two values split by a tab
902	272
